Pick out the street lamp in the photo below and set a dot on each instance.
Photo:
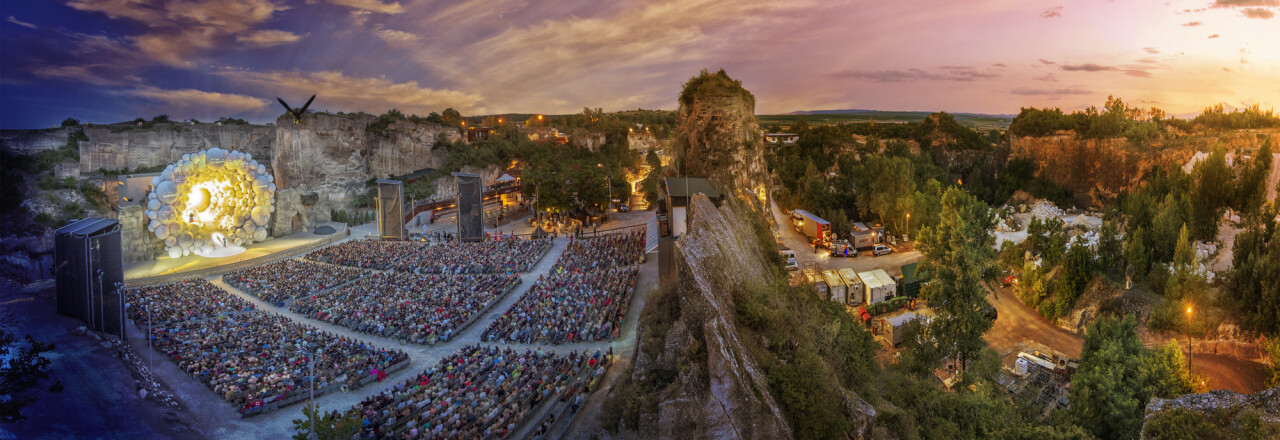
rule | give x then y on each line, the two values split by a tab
1189	318
906	229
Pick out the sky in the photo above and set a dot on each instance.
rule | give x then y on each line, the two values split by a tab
114	60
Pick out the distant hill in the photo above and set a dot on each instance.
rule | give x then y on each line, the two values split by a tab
976	121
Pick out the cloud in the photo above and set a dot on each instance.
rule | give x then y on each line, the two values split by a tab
999	65
1046	78
1192	24
1047	62
371	6
178	32
206	102
1087	67
268	38
374	95
396	37
1214	36
1239	3
1151	50
18	22
1064	91
947	73
1260	13
1055	11
97	74
1137	72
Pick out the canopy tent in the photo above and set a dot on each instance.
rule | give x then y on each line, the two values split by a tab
506	178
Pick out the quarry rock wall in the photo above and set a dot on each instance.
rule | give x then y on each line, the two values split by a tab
33	141
1096	170
117	147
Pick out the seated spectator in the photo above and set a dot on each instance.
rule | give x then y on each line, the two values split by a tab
284	280
477	392
568	307
417	308
190	299
498	256
368	254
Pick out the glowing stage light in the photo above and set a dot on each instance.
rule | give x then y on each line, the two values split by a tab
210	200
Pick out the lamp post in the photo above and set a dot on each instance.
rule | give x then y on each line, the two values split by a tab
1189	318
906	229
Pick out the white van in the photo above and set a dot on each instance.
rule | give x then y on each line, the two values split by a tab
790	256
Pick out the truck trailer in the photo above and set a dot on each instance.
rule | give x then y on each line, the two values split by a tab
853	286
812	226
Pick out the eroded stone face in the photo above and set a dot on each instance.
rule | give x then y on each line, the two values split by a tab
722	142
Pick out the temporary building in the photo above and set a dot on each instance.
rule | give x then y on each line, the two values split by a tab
853	286
819	282
877	286
838	290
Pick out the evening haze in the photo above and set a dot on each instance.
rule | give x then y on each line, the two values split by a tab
113	60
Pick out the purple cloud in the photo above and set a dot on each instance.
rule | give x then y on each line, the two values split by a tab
1055	11
1035	92
948	73
1047	62
1087	67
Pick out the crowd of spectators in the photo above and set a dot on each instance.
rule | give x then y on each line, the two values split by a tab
368	254
476	393
417	308
497	256
283	280
191	299
602	252
568	307
256	358
247	356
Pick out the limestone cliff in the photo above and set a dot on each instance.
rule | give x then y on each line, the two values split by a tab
1099	169
720	391
336	155
116	147
718	137
33	141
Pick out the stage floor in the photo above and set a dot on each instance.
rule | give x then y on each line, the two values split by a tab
148	272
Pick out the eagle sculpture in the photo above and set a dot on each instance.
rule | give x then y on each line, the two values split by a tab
297	114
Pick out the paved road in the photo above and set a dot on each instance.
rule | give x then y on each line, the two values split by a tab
805	255
1018	324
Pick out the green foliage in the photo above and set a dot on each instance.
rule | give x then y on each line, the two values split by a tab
1048	239
1116	119
24	370
714	84
1118	376
1183	424
1213	188
161	118
958	253
1216	117
329	426
1077	270
885	188
231	121
1256	259
1273	353
1110	247
1251	192
70	122
959	136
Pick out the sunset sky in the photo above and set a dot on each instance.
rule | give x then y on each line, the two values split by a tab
113	60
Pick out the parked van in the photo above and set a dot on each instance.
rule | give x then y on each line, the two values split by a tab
882	250
790	256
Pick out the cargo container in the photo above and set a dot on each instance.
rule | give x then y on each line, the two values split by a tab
853	286
836	285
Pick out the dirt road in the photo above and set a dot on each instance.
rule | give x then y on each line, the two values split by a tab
864	261
1018	324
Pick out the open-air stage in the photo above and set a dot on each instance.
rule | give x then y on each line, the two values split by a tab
165	269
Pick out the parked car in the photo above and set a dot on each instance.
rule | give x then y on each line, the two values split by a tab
841	248
624	208
790	256
882	250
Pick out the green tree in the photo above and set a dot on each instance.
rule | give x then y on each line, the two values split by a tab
450	116
1118	376
957	253
22	373
70	122
330	426
886	189
1183	253
1110	248
1256	259
1213	187
1252	190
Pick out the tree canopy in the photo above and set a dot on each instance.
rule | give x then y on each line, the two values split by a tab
957	254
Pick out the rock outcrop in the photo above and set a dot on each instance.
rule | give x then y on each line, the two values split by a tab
720	391
335	155
1221	409
718	137
33	141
